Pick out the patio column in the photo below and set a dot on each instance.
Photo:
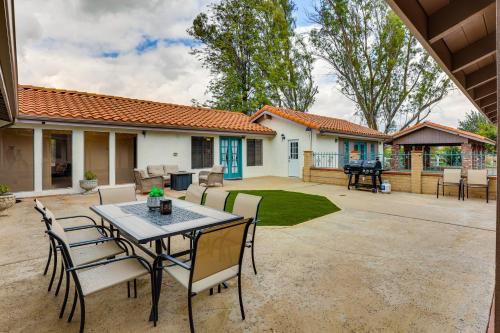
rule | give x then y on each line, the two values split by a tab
395	157
308	164
466	156
112	158
37	159
78	167
417	165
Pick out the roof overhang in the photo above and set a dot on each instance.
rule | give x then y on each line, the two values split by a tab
23	119
461	36
8	64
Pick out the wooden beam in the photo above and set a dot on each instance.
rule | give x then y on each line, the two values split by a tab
454	15
481	76
491	110
474	52
485	90
487	101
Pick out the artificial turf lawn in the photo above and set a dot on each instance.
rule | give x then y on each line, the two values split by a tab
283	208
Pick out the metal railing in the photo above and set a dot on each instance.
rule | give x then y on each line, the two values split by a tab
396	162
444	160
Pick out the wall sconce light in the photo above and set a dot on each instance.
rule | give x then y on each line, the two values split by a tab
282	137
144	133
336	140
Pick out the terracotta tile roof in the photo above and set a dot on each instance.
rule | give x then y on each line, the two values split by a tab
83	107
321	123
437	126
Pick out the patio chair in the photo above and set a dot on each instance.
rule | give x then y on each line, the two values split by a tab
477	179
247	206
86	252
145	183
213	177
216	199
195	193
451	177
116	194
94	277
217	257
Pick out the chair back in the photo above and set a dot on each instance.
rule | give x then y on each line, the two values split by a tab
219	248
217	169
216	199
156	170
55	229
170	168
452	176
477	177
39	206
116	194
247	205
195	193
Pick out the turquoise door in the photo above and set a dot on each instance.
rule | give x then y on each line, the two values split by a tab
360	147
230	157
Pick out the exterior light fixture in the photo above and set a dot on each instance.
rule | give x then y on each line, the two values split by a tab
282	137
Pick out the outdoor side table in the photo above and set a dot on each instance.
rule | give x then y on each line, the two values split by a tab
180	181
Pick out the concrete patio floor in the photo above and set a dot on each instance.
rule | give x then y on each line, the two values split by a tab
391	263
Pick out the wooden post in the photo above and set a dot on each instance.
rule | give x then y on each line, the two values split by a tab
497	250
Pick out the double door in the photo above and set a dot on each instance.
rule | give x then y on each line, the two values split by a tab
230	157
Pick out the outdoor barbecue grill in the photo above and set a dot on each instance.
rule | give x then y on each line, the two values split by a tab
364	168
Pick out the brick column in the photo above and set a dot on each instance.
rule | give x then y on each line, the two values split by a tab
395	157
466	156
417	165
308	164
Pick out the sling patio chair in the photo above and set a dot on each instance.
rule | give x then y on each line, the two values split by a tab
247	206
217	256
451	177
85	252
195	193
477	179
116	194
93	277
80	231
216	200
213	177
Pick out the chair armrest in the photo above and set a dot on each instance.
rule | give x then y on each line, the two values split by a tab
203	173
102	229
75	217
110	261
92	241
176	261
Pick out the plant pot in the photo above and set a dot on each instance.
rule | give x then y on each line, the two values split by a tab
88	185
154	202
7	200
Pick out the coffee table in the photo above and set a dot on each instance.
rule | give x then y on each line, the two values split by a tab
180	180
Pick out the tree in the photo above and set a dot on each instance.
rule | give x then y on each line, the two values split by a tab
254	55
378	63
478	123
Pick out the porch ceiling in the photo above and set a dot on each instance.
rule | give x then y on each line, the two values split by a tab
8	64
461	36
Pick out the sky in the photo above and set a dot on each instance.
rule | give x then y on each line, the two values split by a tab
140	49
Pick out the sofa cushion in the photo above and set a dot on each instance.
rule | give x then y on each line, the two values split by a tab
217	168
155	170
170	168
142	173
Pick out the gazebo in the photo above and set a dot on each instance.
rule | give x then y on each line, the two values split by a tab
423	136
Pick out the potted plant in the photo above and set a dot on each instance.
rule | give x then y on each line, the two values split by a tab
154	198
89	182
7	199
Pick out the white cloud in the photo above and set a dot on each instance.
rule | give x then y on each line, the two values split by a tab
60	43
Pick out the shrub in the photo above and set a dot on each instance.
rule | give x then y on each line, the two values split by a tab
156	192
89	175
4	189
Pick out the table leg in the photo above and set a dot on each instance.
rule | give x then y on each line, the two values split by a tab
158	277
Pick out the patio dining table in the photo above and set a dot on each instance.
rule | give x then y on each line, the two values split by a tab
140	225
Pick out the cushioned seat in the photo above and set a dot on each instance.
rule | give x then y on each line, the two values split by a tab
90	253
182	276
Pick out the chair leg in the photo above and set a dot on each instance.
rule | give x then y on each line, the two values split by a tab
253	260
211	291
54	269
190	312
66	293
48	260
82	314
437	190
240	298
61	274
135	288
487	193
218	288
128	289
154	307
73	306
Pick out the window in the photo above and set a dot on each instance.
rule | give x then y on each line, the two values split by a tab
254	152
57	159
202	152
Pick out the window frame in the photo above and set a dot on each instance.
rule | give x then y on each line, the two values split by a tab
207	142
252	159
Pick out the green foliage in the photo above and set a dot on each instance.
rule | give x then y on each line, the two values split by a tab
478	123
156	192
378	63
89	175
254	55
4	189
